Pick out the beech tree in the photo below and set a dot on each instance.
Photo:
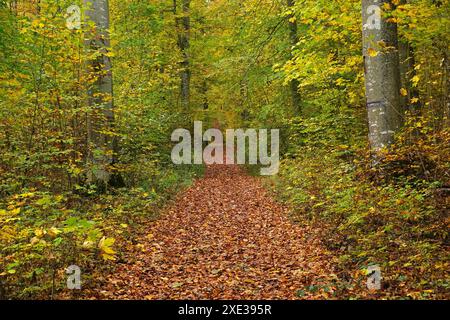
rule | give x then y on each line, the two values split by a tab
101	140
183	26
293	36
382	77
179	66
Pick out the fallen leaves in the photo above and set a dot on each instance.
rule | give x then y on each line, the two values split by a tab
225	238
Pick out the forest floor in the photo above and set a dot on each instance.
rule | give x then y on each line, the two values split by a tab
223	238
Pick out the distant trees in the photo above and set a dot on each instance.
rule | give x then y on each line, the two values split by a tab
293	36
183	24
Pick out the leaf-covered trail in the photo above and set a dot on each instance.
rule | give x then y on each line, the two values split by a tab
224	238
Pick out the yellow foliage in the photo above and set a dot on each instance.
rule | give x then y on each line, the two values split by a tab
105	248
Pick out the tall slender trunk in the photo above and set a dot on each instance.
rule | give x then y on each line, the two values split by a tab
183	25
204	90
382	76
293	37
407	72
100	120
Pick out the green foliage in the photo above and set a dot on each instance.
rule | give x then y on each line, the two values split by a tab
398	223
389	210
50	217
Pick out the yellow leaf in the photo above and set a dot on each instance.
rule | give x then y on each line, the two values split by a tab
105	246
372	52
39	232
106	242
108	257
15	211
88	244
53	232
403	92
108	250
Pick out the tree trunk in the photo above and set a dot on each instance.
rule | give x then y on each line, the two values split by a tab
407	72
382	76
183	26
205	94
293	36
100	120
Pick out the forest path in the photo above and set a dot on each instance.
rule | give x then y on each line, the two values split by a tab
224	238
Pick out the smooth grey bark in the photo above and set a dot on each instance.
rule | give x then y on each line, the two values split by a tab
183	25
293	37
382	75
100	121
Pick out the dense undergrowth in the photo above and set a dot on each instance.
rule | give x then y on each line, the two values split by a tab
43	233
391	211
50	216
